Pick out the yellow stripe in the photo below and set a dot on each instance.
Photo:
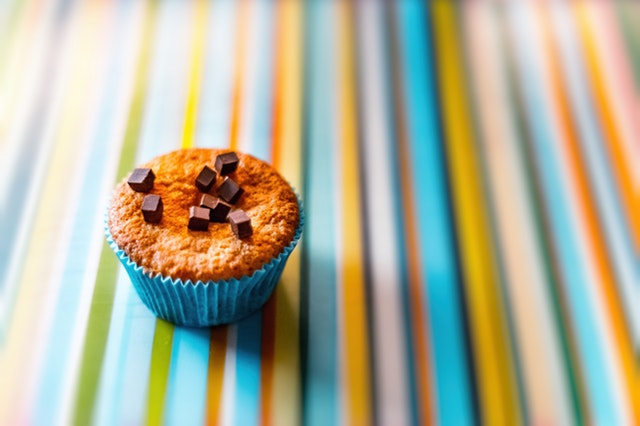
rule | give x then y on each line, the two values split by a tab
163	336
52	208
195	75
286	369
356	339
494	368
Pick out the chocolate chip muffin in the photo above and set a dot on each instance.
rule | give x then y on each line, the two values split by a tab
204	233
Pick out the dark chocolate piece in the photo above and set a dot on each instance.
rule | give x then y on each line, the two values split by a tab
141	180
198	218
240	223
218	208
226	163
206	179
152	208
230	191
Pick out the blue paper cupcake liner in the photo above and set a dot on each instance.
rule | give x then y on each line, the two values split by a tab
209	303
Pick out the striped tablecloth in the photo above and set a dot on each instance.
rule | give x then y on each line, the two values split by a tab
470	172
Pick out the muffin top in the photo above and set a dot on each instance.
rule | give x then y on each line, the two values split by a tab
172	249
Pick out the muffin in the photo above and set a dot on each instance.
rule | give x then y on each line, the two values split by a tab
204	233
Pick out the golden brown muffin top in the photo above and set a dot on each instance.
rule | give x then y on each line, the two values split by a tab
173	250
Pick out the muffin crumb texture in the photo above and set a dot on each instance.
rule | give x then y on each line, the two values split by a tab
173	250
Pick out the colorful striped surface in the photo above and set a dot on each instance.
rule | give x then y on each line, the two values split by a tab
471	177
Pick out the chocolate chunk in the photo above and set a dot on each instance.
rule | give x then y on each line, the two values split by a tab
141	180
218	208
226	163
152	208
240	223
198	218
230	191
206	179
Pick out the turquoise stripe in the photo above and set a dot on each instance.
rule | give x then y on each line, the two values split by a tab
453	389
318	292
187	388
247	390
123	388
59	338
555	193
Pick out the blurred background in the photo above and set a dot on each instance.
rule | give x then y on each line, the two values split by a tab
470	174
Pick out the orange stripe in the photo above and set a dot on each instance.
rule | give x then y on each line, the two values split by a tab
282	395
269	310
215	376
239	66
416	306
218	340
629	192
266	360
595	234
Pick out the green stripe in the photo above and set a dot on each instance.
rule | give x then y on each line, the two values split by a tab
159	371
630	28
104	290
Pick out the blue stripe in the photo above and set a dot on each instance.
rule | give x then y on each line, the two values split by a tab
321	372
247	389
187	386
453	391
122	394
564	231
59	341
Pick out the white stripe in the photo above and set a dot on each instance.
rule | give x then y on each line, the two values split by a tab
86	118
213	131
214	117
15	265
133	27
390	369
16	73
335	115
536	336
249	87
22	93
8	161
